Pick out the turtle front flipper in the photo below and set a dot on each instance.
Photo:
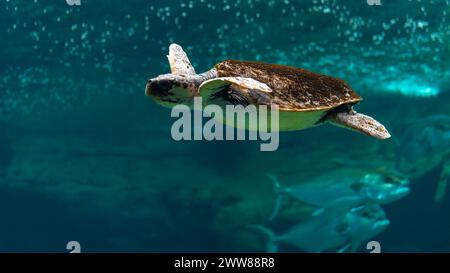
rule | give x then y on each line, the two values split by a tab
179	61
235	97
359	122
234	91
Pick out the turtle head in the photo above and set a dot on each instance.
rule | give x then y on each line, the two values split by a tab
180	86
170	89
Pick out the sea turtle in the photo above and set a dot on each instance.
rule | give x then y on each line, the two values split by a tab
304	99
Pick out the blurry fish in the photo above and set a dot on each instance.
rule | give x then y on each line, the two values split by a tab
341	187
366	222
425	146
382	188
338	228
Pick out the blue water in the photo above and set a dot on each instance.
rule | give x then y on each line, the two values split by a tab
85	156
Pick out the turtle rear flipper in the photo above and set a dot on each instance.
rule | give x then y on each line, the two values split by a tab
360	123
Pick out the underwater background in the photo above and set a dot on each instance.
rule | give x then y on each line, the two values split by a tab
85	156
